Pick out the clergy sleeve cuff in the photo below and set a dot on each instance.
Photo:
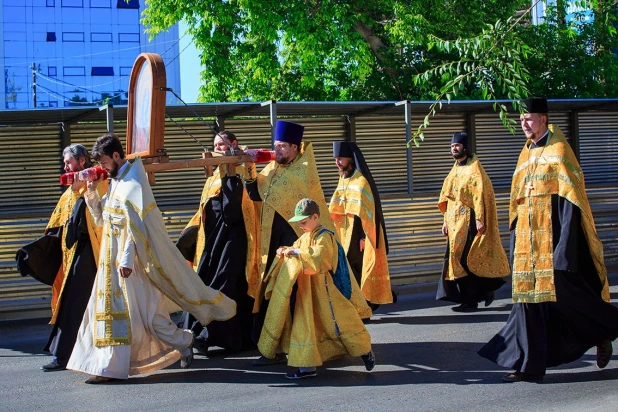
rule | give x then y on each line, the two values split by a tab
128	255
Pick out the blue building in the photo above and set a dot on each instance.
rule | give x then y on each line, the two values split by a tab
82	51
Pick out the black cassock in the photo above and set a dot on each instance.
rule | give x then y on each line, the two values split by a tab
469	289
282	234
77	287
222	265
541	335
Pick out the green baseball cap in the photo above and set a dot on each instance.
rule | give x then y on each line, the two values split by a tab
305	208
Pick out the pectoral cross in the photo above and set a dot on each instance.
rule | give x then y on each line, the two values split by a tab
529	189
342	200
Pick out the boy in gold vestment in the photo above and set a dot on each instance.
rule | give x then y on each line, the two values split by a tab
323	323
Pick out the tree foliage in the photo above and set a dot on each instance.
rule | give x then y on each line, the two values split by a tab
322	50
398	49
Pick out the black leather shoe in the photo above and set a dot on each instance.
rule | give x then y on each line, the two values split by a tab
264	361
54	366
521	377
369	360
604	353
465	307
201	345
489	299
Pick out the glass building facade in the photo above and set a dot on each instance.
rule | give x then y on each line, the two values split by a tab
82	51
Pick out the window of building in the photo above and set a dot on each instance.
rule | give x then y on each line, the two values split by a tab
73	36
51	71
100	4
127	4
125	71
72	3
51	3
53	103
51	36
102	71
128	37
74	71
101	37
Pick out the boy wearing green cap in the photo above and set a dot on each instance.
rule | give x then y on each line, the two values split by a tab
323	321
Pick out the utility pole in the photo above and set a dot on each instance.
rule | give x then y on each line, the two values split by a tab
34	84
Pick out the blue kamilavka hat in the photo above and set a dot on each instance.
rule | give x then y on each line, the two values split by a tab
289	132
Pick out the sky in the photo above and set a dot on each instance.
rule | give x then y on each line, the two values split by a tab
190	66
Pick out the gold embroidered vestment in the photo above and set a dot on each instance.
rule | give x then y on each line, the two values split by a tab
540	173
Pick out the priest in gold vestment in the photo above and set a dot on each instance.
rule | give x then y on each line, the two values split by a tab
276	190
141	279
220	241
356	210
475	262
311	316
80	241
561	296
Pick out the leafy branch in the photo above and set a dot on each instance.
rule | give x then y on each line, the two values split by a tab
493	67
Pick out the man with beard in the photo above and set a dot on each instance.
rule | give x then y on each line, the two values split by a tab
80	241
474	262
220	241
561	296
142	277
356	211
279	187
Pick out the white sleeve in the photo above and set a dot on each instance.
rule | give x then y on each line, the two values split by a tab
93	201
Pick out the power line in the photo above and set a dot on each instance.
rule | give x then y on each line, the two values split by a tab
64	82
93	54
64	98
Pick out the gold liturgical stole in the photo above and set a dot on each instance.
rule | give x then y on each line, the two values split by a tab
469	188
212	188
353	197
540	173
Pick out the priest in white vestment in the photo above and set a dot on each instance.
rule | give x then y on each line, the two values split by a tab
141	279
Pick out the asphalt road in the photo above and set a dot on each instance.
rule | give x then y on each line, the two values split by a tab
426	361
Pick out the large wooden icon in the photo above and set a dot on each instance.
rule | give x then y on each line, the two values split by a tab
146	111
146	123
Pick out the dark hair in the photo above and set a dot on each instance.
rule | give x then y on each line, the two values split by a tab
228	137
77	152
107	145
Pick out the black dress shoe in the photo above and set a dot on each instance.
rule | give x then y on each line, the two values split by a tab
369	360
97	380
604	353
264	361
489	299
54	366
465	307
522	377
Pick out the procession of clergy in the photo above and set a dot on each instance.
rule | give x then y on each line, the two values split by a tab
272	266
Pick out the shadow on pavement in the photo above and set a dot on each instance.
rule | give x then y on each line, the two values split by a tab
397	364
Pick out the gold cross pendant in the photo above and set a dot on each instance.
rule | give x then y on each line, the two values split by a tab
529	189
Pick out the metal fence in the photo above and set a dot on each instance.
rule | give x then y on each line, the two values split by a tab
409	179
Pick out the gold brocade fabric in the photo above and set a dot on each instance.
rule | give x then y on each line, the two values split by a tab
212	188
540	173
353	197
60	218
326	325
469	188
280	188
130	214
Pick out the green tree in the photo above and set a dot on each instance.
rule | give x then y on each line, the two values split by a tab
323	50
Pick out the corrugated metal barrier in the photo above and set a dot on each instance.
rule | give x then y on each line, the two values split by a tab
31	163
